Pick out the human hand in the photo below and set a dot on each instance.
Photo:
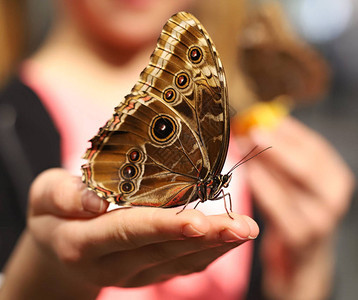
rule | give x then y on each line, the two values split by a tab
126	247
303	188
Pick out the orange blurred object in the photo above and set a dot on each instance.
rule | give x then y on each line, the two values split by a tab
262	114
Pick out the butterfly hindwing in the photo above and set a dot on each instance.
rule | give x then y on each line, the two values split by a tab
132	161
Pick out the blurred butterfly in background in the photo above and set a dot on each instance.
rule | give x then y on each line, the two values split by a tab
167	142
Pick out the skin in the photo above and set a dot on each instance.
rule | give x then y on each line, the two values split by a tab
72	247
71	237
302	188
126	24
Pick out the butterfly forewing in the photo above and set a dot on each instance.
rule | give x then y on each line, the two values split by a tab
203	104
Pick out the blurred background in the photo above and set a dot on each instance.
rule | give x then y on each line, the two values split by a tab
331	26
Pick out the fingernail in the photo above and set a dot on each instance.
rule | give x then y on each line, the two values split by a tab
91	202
190	231
252	225
254	229
229	236
252	237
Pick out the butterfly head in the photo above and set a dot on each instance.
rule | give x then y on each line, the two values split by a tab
226	180
215	184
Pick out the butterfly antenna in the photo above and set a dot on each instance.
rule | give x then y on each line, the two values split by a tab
247	157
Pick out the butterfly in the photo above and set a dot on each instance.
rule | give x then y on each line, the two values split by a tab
167	142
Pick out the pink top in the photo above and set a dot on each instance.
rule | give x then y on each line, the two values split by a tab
78	119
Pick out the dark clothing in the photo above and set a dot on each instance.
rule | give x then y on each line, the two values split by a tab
29	144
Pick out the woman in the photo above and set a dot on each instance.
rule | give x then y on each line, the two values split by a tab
72	248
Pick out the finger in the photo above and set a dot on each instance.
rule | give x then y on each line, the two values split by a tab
297	216
220	232
75	240
317	218
57	192
131	262
305	158
299	152
126	264
278	203
184	265
126	229
133	228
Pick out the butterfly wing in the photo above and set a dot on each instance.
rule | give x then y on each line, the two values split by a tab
137	158
185	48
171	131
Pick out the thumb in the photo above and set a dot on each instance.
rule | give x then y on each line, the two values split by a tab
57	192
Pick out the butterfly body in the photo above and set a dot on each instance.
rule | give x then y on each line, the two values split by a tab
167	142
211	188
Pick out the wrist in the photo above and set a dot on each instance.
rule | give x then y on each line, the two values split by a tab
41	276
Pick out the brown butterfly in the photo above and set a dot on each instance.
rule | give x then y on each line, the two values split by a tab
166	144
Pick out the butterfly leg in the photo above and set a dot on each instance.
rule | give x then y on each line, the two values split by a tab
228	213
196	205
187	202
202	197
184	207
223	196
